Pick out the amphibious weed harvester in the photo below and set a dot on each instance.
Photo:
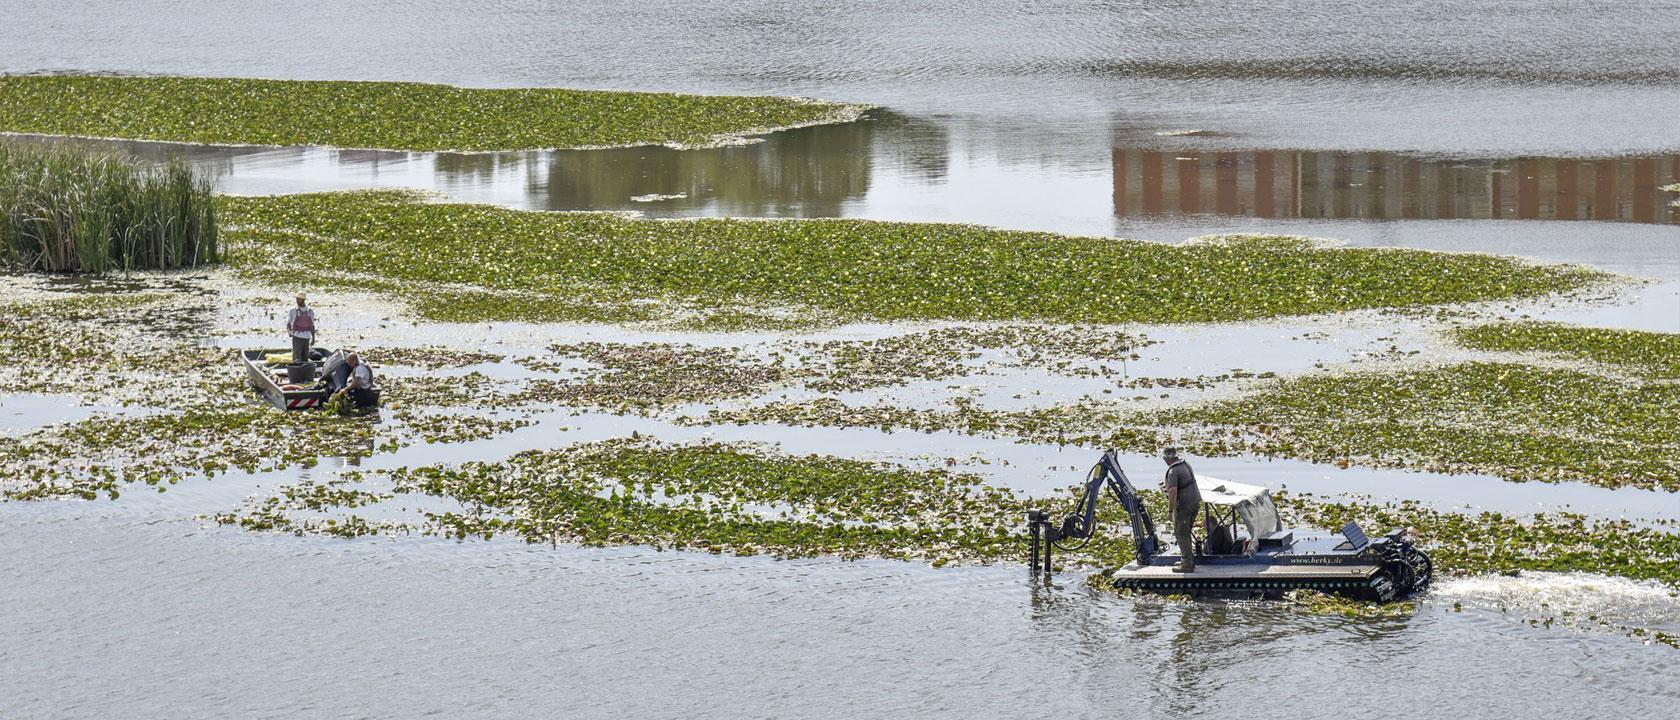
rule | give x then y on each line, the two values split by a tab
1245	550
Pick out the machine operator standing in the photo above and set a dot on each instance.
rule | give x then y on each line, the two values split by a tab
1183	501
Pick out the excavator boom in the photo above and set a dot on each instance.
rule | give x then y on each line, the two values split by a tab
1082	523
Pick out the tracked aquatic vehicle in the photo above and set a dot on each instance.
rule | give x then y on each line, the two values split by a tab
1245	551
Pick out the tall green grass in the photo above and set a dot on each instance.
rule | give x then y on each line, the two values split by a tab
65	209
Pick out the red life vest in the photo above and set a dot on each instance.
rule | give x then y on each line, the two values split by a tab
304	322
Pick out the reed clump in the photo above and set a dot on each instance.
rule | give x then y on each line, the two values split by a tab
66	209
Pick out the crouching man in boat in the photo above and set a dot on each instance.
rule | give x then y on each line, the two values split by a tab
1183	502
359	384
300	324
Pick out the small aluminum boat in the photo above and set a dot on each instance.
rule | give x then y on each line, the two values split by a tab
271	379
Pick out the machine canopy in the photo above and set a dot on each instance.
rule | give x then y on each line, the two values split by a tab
1252	502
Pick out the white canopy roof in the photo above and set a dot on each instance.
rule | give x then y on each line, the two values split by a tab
1225	492
1253	503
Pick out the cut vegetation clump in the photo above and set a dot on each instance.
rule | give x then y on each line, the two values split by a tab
546	265
70	210
386	115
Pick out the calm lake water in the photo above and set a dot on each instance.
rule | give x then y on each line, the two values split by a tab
1541	130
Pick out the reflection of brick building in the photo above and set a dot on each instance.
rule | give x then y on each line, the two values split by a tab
1386	186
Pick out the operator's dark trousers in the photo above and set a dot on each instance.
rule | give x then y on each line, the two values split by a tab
1184	521
300	350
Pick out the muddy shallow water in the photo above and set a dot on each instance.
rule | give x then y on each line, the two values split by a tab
1483	126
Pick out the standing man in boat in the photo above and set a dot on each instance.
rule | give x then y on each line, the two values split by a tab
1183	502
300	324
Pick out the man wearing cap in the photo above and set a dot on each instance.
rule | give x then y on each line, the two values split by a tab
300	323
1183	502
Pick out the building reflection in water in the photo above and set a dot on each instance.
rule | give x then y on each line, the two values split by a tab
1389	186
810	172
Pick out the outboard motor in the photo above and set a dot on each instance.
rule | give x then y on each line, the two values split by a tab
1407	567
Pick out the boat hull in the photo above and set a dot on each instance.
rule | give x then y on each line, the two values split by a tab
1361	582
271	387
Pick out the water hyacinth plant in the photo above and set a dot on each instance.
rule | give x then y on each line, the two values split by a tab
1519	422
543	266
1648	354
387	115
70	210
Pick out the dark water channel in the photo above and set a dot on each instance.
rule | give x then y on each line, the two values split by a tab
1541	130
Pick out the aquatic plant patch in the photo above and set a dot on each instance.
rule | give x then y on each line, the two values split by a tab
295	509
846	268
101	455
963	415
843	365
114	356
65	209
1649	354
1515	421
745	499
643	377
387	115
724	498
429	357
434	428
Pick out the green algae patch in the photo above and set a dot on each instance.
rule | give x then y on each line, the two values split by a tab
387	115
1648	354
560	266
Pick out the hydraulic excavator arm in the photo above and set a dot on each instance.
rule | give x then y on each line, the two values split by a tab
1081	524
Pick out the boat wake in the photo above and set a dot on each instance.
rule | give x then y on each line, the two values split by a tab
1584	599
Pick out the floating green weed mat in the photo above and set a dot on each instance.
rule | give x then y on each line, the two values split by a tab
725	499
71	210
1516	421
389	115
550	263
746	500
1654	355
